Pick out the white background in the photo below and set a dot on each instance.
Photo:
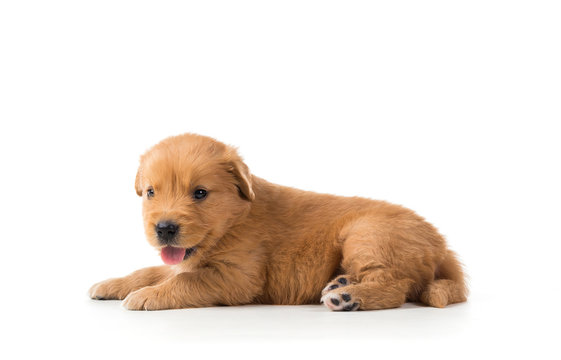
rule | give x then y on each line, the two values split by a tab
449	108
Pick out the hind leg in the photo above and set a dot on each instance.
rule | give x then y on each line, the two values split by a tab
373	292
382	267
449	288
440	293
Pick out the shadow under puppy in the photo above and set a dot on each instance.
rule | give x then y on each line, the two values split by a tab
231	238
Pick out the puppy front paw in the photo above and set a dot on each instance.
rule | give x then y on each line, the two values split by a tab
112	289
147	298
136	300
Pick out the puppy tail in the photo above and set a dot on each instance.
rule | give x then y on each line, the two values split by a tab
449	286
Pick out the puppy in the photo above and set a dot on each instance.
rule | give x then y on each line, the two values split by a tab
228	237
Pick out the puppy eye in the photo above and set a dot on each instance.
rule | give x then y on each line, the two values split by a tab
150	193
200	194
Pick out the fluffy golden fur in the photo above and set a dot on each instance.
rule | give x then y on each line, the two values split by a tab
261	243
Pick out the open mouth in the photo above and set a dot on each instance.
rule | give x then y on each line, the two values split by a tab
172	255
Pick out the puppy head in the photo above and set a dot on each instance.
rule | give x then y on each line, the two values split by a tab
193	188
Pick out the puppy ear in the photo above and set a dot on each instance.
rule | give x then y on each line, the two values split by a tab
241	172
137	184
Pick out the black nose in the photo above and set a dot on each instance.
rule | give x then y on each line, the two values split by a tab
166	231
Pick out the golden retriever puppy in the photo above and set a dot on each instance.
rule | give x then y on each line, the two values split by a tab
228	237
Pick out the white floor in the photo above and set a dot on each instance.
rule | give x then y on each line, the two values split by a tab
76	327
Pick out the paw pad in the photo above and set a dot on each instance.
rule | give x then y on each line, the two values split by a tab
336	283
339	302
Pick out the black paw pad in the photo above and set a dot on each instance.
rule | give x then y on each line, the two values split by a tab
350	307
336	283
340	302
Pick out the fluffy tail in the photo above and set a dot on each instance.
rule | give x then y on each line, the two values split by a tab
449	285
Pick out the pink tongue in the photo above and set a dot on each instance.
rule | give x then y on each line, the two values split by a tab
172	255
